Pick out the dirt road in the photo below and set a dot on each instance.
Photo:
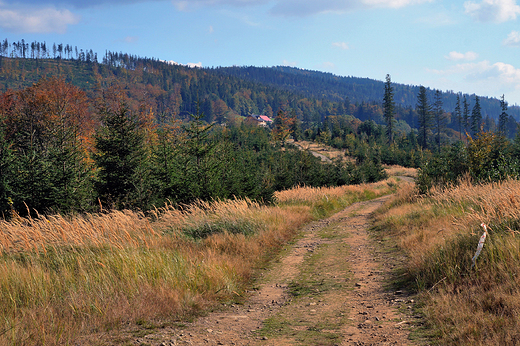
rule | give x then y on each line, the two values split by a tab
327	289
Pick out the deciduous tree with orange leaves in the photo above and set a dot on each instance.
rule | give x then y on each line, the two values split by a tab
49	127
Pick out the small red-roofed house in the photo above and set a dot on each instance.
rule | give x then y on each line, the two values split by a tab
261	120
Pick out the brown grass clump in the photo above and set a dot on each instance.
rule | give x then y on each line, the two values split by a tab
320	148
304	194
117	229
395	170
63	277
464	304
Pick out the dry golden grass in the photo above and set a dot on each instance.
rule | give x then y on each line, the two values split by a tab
320	148
464	305
63	277
395	170
316	194
117	228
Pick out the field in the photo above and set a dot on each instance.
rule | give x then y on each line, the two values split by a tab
463	302
64	277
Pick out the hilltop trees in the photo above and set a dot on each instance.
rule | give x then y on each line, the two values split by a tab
503	118
465	114
440	118
476	117
389	109
424	115
458	116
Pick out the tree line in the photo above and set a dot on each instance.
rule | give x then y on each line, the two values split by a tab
483	154
63	151
224	93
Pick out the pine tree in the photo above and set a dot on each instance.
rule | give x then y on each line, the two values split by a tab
6	169
476	117
47	122
424	115
458	116
440	118
389	109
465	114
202	160
120	154
503	118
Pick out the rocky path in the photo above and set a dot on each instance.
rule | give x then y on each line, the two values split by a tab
328	289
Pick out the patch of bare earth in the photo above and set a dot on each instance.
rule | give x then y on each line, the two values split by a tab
327	290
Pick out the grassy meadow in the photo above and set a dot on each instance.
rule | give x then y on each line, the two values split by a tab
462	304
62	277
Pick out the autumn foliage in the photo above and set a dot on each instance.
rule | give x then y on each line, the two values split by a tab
63	150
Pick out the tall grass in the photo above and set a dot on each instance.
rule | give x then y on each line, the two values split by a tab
64	277
464	305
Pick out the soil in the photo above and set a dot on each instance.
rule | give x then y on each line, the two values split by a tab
328	288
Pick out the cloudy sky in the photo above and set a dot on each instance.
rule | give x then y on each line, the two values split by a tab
470	46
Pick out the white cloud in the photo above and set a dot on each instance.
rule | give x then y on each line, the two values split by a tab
131	39
45	20
485	78
342	45
301	7
193	65
190	64
184	5
437	19
327	66
392	3
513	39
289	63
497	11
279	7
469	56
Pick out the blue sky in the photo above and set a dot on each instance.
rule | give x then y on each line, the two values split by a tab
469	46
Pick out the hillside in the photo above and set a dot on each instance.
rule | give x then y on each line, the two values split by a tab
227	92
337	88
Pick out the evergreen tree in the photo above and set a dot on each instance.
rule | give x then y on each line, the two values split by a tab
424	115
166	162
503	118
120	155
476	117
389	109
47	121
6	170
440	118
465	114
458	116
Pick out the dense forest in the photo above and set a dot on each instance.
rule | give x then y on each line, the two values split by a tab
77	134
226	92
317	84
62	151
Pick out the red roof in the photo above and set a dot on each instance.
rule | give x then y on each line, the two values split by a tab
265	118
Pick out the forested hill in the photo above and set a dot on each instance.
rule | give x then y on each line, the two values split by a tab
337	88
226	92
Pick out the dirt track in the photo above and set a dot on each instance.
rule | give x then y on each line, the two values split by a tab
327	290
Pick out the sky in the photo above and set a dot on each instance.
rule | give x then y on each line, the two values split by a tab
463	46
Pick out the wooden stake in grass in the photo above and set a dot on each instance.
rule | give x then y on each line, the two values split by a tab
480	245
